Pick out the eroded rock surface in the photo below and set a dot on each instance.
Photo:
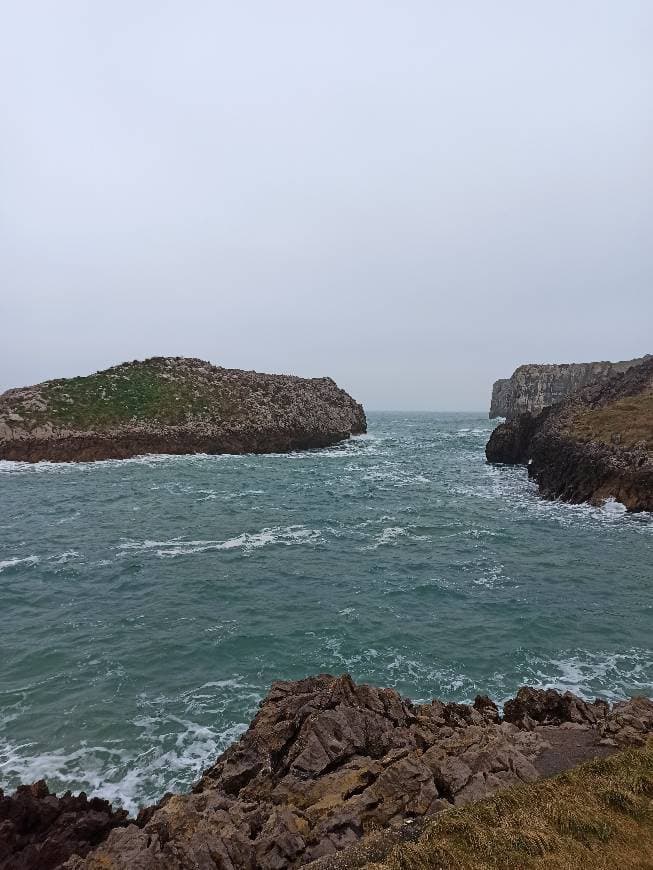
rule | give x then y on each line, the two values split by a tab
326	761
173	405
533	387
41	830
595	445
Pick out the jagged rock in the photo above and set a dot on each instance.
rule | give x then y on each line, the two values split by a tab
629	723
41	830
595	445
173	405
533	387
326	761
549	707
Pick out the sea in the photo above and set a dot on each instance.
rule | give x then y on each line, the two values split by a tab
147	605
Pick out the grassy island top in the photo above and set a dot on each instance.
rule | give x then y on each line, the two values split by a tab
168	391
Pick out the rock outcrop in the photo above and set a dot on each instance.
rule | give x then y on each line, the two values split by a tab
41	830
173	405
531	388
595	445
326	761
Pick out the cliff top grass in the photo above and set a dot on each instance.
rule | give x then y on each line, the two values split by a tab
598	815
625	423
160	390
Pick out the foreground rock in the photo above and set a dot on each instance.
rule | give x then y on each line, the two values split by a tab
326	761
531	388
173	405
597	816
595	445
40	830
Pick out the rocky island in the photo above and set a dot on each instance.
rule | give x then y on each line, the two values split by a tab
328	766
173	405
595	445
533	387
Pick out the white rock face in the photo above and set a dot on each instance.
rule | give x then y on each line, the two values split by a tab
533	387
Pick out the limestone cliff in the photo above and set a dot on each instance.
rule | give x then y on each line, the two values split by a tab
595	445
173	405
533	387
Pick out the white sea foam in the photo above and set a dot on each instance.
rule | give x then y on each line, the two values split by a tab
491	578
514	492
614	508
63	558
176	748
147	459
391	535
247	542
611	675
130	780
394	475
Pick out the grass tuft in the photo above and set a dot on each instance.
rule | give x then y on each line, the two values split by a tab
625	423
598	815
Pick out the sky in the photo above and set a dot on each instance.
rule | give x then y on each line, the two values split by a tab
413	197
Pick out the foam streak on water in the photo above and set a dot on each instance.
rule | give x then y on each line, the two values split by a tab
147	605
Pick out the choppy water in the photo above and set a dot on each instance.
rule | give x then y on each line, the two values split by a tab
147	605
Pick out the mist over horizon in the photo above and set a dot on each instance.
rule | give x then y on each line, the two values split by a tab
412	200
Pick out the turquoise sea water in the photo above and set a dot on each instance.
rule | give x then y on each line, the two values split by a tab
147	605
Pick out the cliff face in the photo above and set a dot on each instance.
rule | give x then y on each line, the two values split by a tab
595	445
533	387
173	405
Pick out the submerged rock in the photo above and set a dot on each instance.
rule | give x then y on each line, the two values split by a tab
173	405
595	445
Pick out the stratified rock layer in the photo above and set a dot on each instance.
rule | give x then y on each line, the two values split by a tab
596	445
326	761
533	387
173	405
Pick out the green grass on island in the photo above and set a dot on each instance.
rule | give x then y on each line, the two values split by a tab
598	816
142	392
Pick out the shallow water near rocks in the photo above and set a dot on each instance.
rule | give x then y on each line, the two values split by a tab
147	605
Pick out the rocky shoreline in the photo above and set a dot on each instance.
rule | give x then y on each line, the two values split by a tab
593	446
324	763
173	405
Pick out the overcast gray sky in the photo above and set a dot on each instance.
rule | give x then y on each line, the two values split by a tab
413	197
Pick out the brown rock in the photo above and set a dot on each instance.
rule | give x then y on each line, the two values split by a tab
550	707
39	829
325	763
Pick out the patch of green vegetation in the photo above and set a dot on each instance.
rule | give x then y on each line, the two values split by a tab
134	393
598	815
625	423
